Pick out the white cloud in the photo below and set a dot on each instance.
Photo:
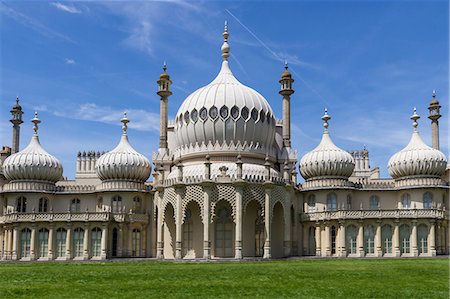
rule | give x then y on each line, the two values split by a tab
70	61
67	8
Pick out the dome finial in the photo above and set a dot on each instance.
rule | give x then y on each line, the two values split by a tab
414	118
286	64
17	100
124	121
225	47
434	93
326	118
36	121
164	67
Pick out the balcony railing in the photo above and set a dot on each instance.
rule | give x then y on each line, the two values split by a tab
72	216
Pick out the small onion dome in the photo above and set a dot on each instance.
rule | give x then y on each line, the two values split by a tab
33	163
286	74
123	163
417	158
326	160
164	75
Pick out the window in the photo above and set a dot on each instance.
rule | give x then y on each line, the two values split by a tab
61	235
116	204
213	112
234	112
427	200
203	114
245	113
333	240
350	238
254	114
136	243
386	238
188	232
259	233
404	238
43	205
186	117
96	241
137	205
406	201
369	239
312	240
194	115
262	116
312	203
374	202
331	202
43	243
422	238
224	233
268	118
75	205
21	205
349	202
25	242
224	112
78	239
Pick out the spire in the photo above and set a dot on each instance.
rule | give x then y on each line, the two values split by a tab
414	118
434	94
286	65
225	47
326	118
124	121
36	121
434	114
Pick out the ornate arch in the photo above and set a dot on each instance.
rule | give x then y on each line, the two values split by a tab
224	192
193	193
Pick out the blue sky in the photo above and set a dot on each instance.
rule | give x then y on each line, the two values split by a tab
81	64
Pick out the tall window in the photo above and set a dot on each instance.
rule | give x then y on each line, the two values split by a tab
422	238
333	240
427	200
312	240
43	242
43	205
224	233
349	202
404	238
25	242
137	206
136	244
350	239
406	201
96	241
188	232
374	202
259	233
312	203
75	205
21	205
61	234
116	204
386	238
369	239
331	202
78	240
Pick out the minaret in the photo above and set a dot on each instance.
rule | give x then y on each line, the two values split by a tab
434	116
286	91
16	120
164	92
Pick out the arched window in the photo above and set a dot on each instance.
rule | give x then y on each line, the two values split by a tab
312	240
349	202
312	203
43	205
406	201
116	204
21	204
115	241
61	235
427	200
43	242
422	238
350	238
96	241
75	206
25	242
259	233
369	239
331	202
374	202
78	239
136	243
188	232
224	233
404	238
333	240
386	238
137	207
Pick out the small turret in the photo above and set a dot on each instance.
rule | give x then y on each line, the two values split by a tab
16	120
434	109
286	91
164	92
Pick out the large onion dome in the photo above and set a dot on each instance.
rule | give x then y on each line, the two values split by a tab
32	166
123	164
225	111
326	161
417	160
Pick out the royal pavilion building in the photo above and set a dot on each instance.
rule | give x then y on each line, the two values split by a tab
224	185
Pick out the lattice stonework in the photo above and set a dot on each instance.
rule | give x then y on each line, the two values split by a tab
193	193
280	195
253	192
223	192
170	195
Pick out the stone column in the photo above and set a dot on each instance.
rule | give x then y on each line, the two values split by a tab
342	251
267	222
206	222
438	238
414	251
179	225
120	240
5	244
86	242
396	240
130	240
287	234
33	243
15	242
104	245
378	241
327	240
51	246
68	242
238	234
159	228
432	243
144	241
318	239
360	239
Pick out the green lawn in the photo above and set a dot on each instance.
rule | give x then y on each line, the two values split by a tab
339	278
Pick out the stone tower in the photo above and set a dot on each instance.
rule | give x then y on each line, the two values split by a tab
16	120
164	92
434	109
286	91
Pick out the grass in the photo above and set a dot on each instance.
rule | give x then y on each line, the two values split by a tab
304	278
